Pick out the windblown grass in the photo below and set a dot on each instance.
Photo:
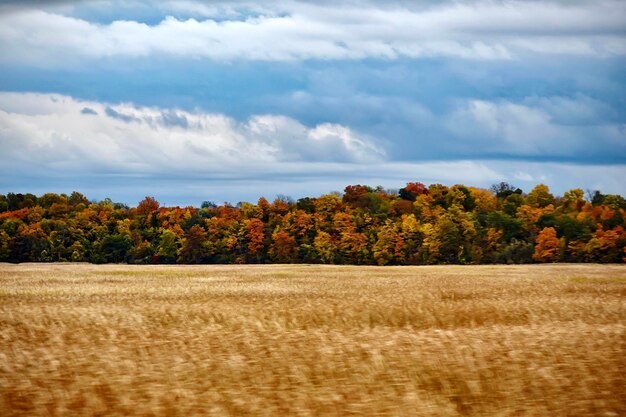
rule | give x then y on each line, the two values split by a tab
86	340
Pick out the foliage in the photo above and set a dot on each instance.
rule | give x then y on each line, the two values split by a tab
364	225
547	247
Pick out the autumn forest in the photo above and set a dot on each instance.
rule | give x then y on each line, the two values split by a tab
414	225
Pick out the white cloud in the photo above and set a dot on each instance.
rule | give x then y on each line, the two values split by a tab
538	128
577	110
50	143
296	30
514	127
523	176
54	131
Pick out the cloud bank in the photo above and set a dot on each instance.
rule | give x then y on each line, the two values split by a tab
286	31
60	132
556	128
56	142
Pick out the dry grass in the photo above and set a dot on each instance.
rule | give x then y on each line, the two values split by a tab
312	340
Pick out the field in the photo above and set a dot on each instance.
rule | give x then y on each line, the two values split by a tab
542	340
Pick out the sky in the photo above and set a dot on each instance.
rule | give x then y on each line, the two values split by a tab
190	101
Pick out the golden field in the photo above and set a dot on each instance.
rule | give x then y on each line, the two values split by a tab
86	340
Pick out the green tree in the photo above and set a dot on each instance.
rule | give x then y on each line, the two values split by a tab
114	248
167	248
540	196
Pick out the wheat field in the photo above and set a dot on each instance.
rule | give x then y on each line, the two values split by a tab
119	340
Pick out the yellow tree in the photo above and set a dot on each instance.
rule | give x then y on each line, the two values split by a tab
283	247
606	245
484	200
547	246
325	247
389	245
540	196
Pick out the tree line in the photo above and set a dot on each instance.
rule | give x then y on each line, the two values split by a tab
416	225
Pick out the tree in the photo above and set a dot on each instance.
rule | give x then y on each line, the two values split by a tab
516	252
192	250
327	205
595	197
306	204
264	206
255	236
614	202
281	205
438	192
606	245
460	196
548	245
573	199
249	211
455	232
353	248
4	246
356	195
77	198
141	253
49	199
389	246
509	226
146	206
325	247
114	248
512	203
504	189
540	196
31	244
412	190
283	248
484	200
438	224
299	224
208	205
400	207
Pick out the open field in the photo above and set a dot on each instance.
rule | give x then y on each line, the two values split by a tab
540	340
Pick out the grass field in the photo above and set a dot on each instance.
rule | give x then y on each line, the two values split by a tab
542	340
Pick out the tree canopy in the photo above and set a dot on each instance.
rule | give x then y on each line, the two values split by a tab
418	224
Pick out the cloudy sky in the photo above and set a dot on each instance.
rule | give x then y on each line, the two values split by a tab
229	100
